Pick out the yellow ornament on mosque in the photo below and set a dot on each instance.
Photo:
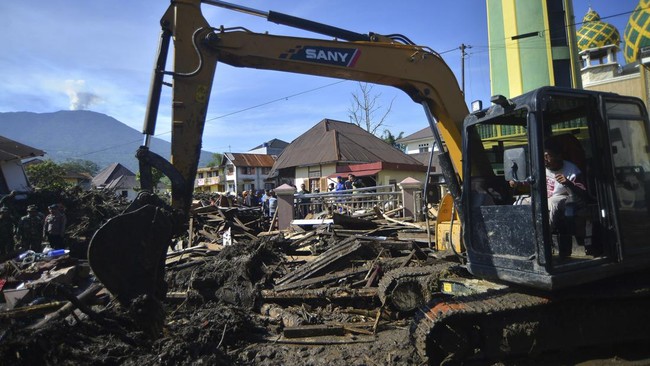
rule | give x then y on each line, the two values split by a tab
595	33
637	31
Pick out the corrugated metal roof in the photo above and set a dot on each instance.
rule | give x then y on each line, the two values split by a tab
424	133
10	150
123	182
335	141
275	143
250	160
110	173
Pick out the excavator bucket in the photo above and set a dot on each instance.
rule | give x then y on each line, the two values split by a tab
127	254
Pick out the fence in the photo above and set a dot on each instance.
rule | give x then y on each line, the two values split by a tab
347	201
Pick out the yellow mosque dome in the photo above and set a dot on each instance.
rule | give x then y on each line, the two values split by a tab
595	33
637	31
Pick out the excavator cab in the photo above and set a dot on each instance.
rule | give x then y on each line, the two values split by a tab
601	229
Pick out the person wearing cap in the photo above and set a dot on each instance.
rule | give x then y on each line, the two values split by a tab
54	227
340	183
6	231
30	230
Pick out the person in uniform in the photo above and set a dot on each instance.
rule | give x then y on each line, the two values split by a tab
54	227
30	230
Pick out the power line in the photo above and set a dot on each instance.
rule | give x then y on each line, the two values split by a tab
540	32
519	46
222	116
277	100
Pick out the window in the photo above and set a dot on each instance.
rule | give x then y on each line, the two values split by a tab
314	171
247	170
631	159
422	148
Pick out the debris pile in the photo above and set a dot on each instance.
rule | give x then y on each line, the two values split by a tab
342	293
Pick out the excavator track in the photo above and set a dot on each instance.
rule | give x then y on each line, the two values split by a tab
499	324
406	289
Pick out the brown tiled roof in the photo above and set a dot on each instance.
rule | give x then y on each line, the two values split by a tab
335	141
10	150
250	160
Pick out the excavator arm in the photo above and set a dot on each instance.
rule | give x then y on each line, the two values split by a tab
419	72
197	48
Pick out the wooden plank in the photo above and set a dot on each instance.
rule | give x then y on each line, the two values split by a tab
329	340
312	222
241	224
300	258
321	294
297	242
68	308
33	310
343	249
313	331
321	279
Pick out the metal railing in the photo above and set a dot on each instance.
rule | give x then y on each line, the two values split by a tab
347	201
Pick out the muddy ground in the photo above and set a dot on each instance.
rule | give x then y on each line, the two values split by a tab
218	323
219	317
222	321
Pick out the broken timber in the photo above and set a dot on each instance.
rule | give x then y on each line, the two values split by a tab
321	279
328	293
323	261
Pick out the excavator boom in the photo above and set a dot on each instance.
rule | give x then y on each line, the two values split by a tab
197	49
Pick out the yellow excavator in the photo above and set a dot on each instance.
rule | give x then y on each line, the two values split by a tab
522	284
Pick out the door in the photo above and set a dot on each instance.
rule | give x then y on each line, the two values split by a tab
628	136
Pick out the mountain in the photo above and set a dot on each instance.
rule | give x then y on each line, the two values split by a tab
83	135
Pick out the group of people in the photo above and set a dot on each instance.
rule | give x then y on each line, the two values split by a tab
29	232
342	184
267	199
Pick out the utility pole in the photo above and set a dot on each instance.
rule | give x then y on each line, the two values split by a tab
463	47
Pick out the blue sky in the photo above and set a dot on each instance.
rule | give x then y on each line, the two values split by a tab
98	55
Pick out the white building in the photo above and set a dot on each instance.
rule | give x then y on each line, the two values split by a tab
12	173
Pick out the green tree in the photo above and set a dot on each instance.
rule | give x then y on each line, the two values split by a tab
80	166
216	160
47	175
392	139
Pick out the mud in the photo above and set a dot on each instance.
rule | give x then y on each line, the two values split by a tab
221	318
222	322
218	323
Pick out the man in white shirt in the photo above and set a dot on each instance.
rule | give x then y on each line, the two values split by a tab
563	180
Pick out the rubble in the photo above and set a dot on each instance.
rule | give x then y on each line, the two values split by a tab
341	293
